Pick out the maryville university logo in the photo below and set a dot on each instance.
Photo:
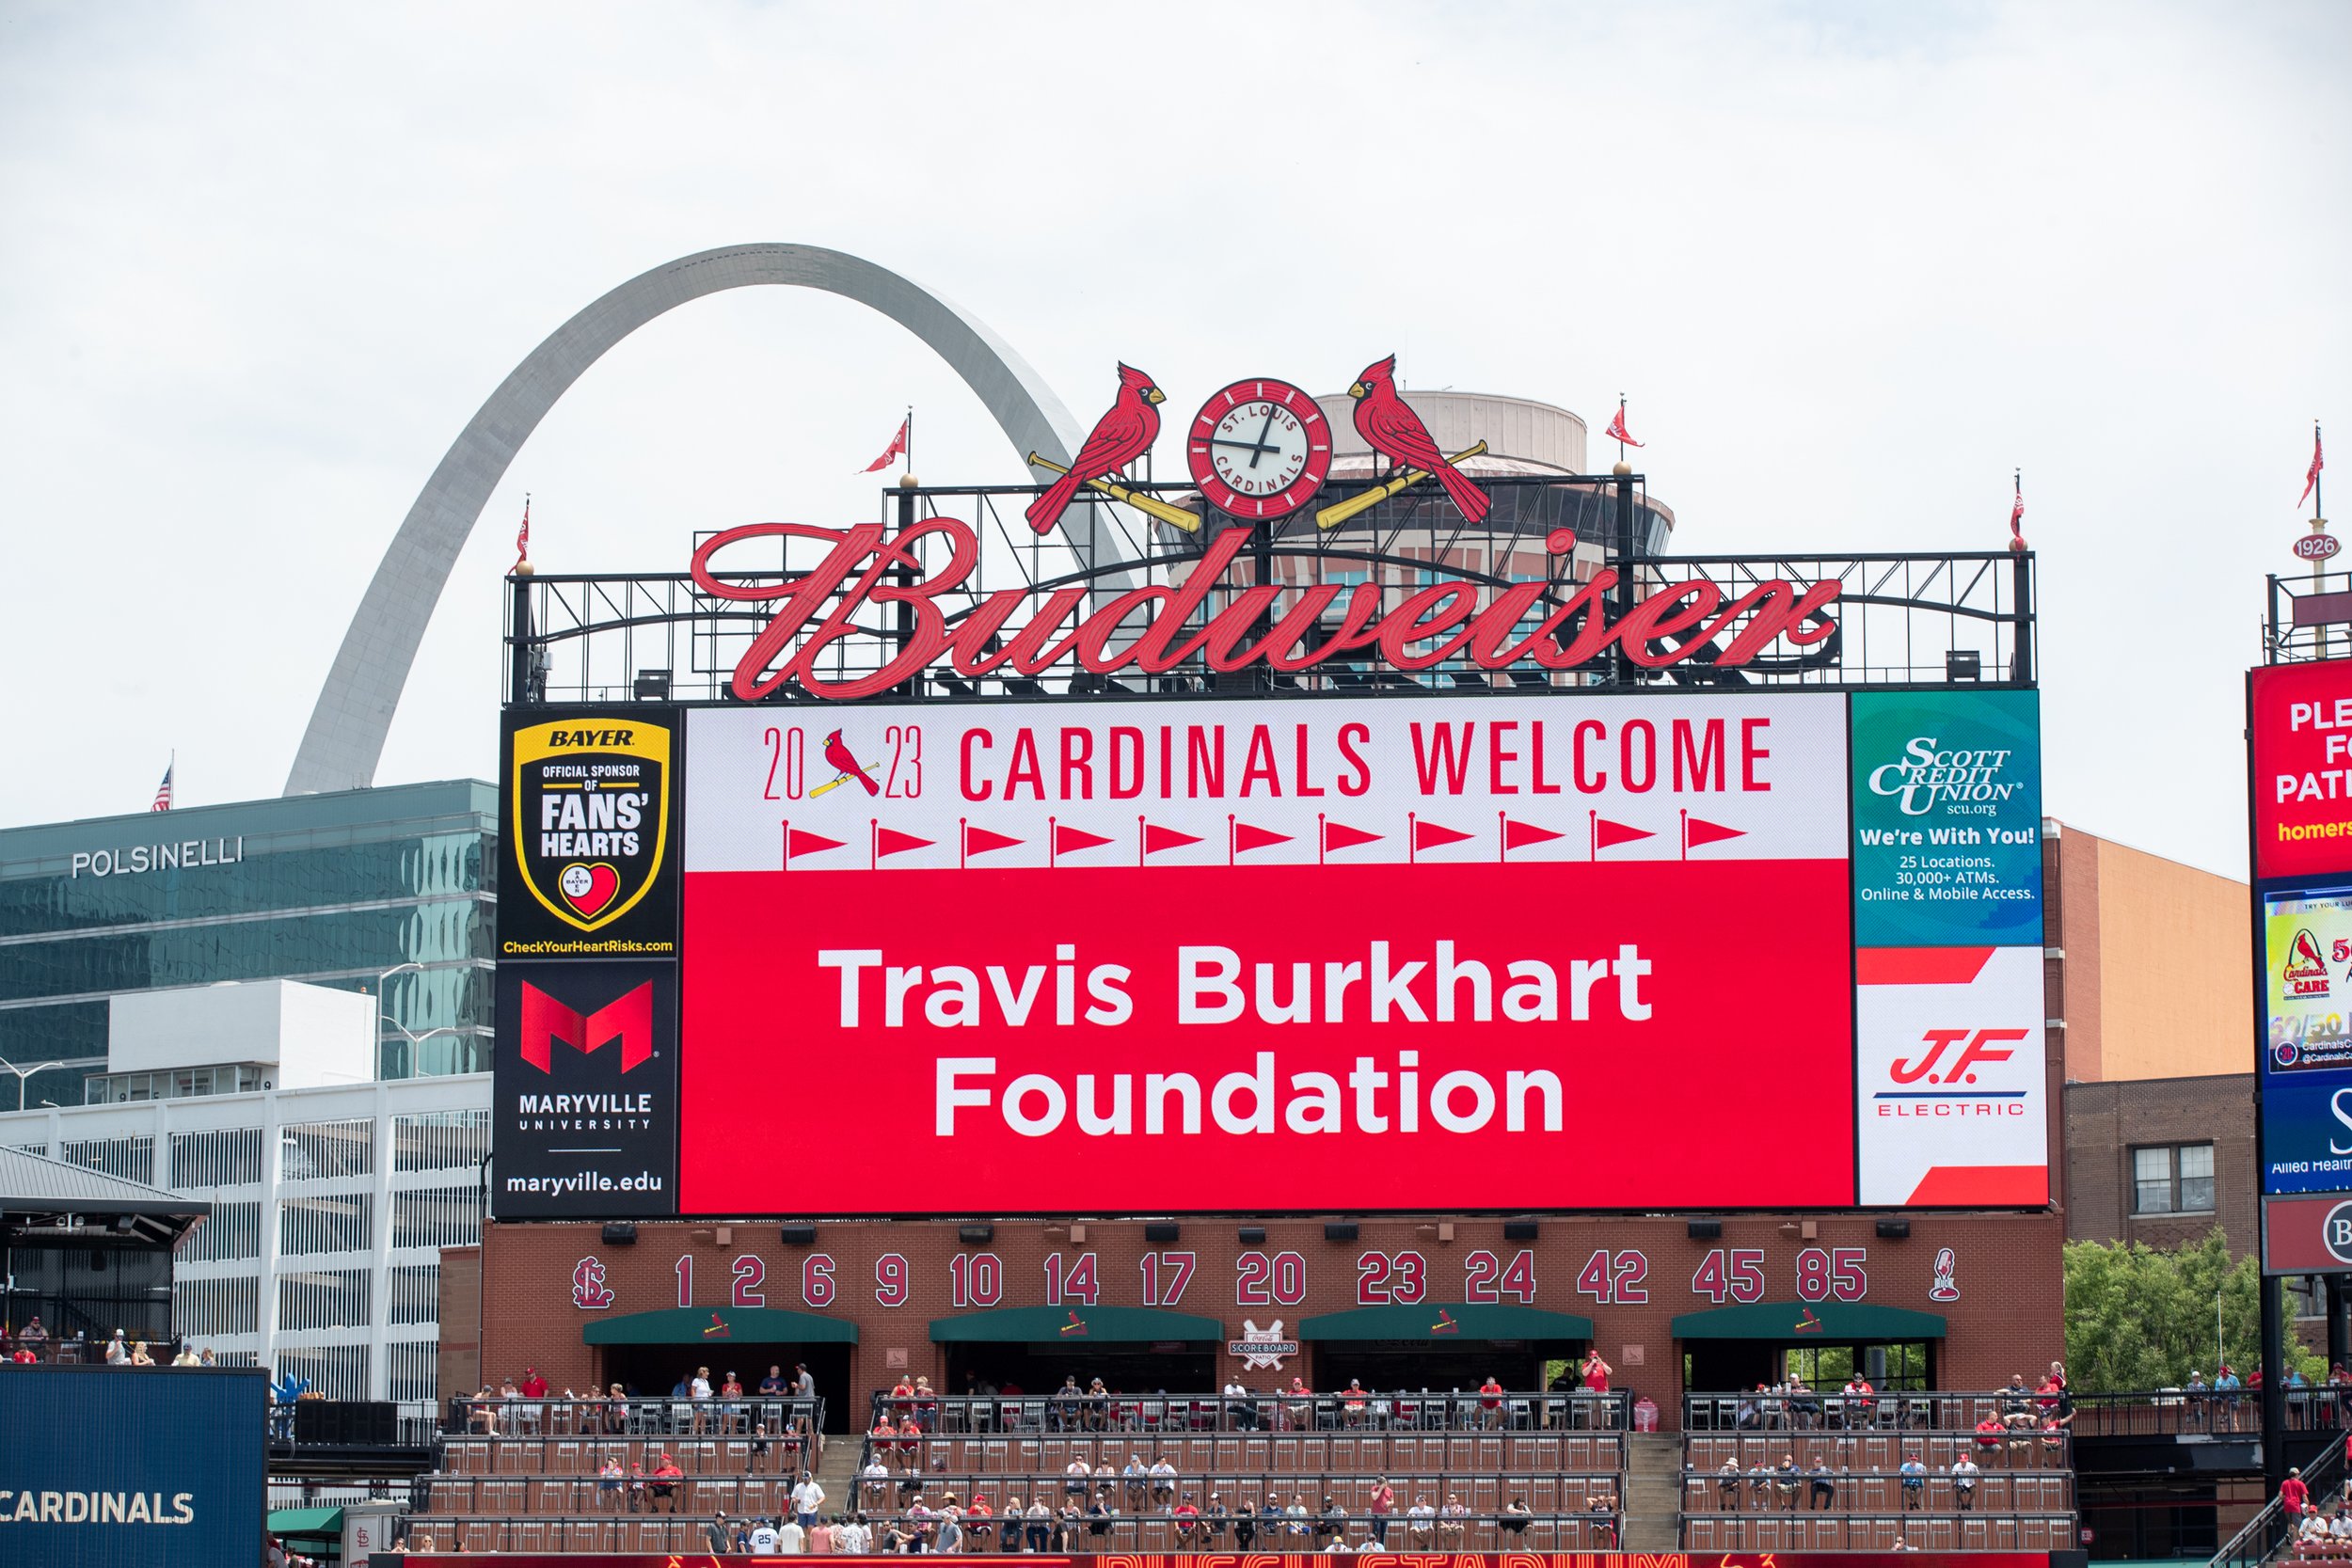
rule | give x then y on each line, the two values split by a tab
592	813
627	1019
589	1293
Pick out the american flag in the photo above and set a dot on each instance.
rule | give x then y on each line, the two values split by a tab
163	791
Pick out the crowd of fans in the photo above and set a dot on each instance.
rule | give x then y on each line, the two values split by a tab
33	1344
778	1414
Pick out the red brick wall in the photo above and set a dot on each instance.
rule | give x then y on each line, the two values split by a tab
2008	1318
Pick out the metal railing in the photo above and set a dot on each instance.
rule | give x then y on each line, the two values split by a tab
1273	1413
1911	1411
2268	1530
721	1415
1959	1530
1080	1536
2163	1411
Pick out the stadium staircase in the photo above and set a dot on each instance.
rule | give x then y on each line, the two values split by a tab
1653	1492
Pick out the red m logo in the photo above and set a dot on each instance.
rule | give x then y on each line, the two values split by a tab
628	1020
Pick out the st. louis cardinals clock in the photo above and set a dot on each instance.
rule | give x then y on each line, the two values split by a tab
1259	449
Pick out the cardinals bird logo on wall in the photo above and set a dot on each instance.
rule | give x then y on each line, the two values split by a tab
847	769
1388	426
1118	438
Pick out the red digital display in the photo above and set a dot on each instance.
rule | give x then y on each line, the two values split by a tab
2302	738
1483	993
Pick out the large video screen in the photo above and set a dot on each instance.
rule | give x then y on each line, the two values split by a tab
1422	952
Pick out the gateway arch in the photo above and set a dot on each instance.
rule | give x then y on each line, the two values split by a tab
346	737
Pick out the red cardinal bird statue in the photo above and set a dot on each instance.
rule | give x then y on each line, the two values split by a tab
1395	432
1118	437
851	768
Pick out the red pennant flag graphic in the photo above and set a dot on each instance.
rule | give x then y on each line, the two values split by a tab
1606	832
1698	829
1246	837
1339	836
980	841
797	842
1517	835
1156	838
1067	840
890	841
1428	835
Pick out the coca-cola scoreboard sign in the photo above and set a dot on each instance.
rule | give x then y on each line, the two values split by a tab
1569	950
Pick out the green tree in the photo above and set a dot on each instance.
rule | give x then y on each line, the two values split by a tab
2140	1317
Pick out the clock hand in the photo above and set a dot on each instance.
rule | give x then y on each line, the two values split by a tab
1246	446
1263	431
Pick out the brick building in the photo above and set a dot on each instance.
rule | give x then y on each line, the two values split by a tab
2162	1160
2147	963
588	1311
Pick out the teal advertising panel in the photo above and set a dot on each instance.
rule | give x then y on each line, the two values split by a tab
1947	818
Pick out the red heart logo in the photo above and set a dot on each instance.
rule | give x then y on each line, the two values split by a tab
589	888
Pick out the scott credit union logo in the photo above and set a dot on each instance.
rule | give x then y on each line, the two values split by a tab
1965	783
592	813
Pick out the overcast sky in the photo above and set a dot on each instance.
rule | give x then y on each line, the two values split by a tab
1851	263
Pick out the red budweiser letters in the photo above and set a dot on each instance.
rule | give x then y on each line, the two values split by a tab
1428	628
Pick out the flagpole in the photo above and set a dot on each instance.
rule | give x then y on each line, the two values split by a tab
2319	523
1621	427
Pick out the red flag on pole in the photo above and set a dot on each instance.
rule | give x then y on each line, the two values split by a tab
980	841
801	843
2311	475
1698	829
1517	835
1616	427
2017	515
1246	837
1068	840
1428	835
1339	836
890	841
1606	832
522	539
1156	838
896	447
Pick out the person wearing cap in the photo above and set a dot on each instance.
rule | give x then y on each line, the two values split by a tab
2293	1495
1381	1504
1188	1516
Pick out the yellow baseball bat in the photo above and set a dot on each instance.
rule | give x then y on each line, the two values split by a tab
1174	516
1339	512
836	782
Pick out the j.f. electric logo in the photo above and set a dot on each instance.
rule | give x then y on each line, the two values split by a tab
1926	779
1946	1072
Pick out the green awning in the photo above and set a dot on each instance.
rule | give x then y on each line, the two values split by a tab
326	1523
720	1325
1794	1321
1447	1320
1046	1325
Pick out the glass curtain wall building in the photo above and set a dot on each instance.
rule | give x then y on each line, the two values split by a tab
335	889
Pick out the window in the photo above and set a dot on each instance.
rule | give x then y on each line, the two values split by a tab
2172	1180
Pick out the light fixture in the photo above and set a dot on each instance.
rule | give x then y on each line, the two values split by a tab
1707	1230
1894	1230
975	1235
1161	1231
620	1233
653	686
1964	664
1340	1231
797	1235
1251	1235
1520	1230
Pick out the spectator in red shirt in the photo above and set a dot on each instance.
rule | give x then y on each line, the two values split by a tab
666	1476
1491	1402
23	1356
1990	1432
534	1386
2294	1497
910	1442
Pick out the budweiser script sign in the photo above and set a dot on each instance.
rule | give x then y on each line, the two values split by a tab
1427	627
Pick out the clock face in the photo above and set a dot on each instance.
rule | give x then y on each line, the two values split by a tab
1259	449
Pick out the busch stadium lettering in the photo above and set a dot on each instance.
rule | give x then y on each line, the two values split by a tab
822	606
